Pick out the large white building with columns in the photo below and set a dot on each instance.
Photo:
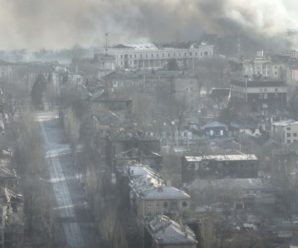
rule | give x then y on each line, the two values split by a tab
149	56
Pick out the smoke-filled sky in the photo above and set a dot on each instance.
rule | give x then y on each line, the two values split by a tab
36	24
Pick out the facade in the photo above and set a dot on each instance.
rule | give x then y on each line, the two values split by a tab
260	94
262	66
285	131
239	193
149	56
219	166
292	75
162	232
6	70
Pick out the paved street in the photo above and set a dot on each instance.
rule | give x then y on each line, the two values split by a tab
70	204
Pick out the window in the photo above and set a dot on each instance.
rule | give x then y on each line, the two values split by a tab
165	204
295	134
288	134
185	204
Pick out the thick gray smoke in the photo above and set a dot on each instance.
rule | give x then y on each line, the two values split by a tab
64	23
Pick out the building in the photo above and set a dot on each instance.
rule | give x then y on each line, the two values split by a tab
162	232
219	166
149	56
294	242
96	67
215	130
151	196
292	74
6	70
237	192
261	66
260	94
126	144
285	132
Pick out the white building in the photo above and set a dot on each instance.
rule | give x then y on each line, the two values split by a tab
149	56
262	66
285	131
150	196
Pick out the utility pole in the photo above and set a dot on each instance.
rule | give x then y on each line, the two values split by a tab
246	93
106	46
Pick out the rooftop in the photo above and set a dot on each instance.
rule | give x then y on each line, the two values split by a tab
215	124
285	123
166	231
148	184
236	157
137	46
164	192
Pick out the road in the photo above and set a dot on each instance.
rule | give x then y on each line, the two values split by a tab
72	209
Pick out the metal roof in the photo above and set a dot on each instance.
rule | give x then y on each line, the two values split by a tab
148	184
236	157
166	231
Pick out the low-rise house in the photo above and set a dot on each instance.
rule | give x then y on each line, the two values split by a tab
285	131
219	166
162	232
215	130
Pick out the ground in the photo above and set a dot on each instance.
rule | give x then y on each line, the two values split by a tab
71	208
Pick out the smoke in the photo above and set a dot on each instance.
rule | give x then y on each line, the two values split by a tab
56	24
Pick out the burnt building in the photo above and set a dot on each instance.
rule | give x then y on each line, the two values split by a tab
260	94
219	166
132	144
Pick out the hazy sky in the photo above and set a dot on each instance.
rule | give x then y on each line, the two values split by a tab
54	24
